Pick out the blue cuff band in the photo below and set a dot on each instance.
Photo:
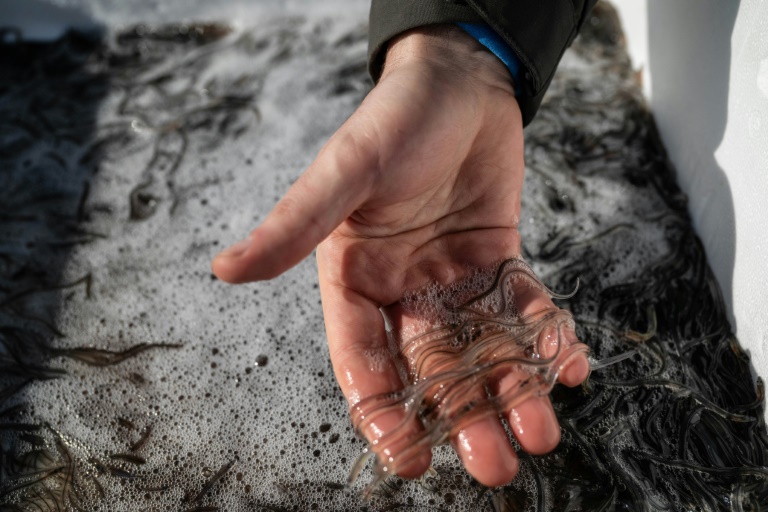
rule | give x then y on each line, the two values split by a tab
487	37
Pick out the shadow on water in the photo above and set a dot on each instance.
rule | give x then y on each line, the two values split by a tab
49	97
690	63
53	149
43	20
48	103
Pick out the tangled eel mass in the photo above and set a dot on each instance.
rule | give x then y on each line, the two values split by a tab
465	337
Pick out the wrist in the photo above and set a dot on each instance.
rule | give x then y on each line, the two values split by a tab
446	48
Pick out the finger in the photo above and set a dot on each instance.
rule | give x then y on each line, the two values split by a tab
572	363
574	367
481	443
485	451
365	369
532	421
334	185
535	425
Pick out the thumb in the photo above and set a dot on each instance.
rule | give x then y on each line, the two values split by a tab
329	191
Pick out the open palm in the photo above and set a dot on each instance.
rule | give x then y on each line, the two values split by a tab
422	183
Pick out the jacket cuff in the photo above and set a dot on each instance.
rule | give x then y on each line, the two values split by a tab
486	36
389	18
537	32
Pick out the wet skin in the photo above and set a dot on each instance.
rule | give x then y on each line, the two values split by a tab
422	182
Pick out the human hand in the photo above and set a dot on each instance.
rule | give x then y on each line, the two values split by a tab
420	184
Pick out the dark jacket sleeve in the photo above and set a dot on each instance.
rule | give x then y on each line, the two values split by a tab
538	31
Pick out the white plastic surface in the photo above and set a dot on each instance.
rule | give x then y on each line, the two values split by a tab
705	67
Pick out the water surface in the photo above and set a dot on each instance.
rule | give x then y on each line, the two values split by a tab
130	379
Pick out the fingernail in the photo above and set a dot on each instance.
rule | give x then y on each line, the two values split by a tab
548	342
237	249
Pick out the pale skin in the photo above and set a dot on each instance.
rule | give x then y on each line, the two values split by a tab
422	182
